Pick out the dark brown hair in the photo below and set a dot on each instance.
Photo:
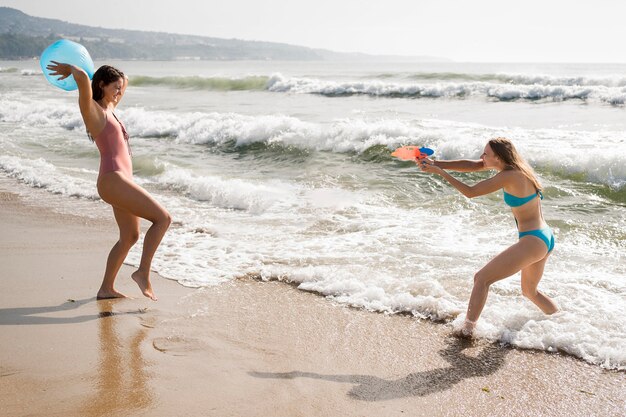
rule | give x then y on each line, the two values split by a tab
505	150
105	74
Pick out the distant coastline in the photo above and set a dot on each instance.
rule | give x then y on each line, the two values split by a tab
24	37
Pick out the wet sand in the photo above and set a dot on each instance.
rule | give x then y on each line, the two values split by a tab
245	348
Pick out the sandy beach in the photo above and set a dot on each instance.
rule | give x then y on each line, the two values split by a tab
245	348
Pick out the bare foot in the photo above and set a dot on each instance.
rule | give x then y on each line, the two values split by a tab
467	330
144	284
107	294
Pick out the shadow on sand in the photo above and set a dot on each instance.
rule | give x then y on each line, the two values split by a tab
372	388
33	315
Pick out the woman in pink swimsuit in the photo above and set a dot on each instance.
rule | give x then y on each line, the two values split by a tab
130	202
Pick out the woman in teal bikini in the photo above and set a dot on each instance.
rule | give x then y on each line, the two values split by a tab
536	241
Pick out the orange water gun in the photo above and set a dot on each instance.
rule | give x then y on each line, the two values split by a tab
412	153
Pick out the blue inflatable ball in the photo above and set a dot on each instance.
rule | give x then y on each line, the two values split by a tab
67	52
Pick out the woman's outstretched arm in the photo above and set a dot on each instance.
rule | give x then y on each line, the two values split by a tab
487	186
460	165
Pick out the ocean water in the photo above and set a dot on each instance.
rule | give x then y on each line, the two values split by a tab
281	170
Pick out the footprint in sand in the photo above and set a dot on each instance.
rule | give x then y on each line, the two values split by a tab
150	322
176	345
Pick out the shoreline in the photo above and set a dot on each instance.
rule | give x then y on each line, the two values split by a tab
242	348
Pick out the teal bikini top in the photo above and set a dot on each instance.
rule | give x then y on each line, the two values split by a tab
514	201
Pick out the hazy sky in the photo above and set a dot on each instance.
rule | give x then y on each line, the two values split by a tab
463	30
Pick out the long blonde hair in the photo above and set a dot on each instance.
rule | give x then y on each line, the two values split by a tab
505	150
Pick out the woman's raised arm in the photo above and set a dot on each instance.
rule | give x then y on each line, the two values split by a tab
92	113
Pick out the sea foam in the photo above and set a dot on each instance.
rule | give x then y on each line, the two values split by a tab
451	90
557	152
42	174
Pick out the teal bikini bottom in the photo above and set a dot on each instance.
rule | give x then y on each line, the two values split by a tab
544	234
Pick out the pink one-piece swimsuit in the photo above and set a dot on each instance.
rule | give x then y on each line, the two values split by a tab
114	149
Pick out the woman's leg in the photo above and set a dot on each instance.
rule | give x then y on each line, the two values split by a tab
129	233
122	193
531	275
507	263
